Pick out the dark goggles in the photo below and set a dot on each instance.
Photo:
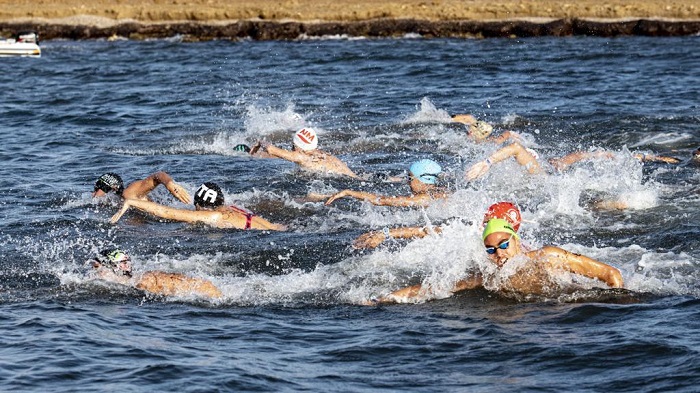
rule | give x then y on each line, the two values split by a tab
102	185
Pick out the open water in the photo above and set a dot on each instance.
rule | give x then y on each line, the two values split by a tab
290	319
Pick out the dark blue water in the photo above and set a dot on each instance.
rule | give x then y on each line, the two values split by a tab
289	319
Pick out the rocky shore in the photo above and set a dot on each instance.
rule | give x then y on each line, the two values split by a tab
292	19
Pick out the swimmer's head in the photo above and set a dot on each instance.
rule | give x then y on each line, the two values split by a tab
115	259
500	241
242	148
498	225
427	171
506	211
306	139
480	130
696	155
209	196
109	182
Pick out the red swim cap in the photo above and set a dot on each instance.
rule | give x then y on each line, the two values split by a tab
506	211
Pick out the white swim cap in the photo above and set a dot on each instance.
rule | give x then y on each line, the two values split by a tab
306	139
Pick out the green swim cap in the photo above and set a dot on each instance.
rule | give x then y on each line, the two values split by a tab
498	225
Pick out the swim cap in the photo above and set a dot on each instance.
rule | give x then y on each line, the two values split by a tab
480	130
110	182
534	153
427	171
115	259
209	195
306	139
506	211
498	225
242	147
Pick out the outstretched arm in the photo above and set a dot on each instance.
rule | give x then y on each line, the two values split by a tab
141	188
655	158
379	200
505	137
580	264
282	153
169	213
410	294
375	238
516	150
562	163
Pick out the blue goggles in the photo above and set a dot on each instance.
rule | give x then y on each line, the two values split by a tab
503	246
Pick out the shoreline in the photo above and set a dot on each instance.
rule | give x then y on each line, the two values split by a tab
293	19
264	30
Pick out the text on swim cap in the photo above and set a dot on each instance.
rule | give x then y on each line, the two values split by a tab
207	194
306	136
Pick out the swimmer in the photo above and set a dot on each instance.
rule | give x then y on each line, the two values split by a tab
139	189
306	154
528	158
209	209
480	131
534	275
423	176
115	266
505	210
696	156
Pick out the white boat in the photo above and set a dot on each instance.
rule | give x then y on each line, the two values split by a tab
25	44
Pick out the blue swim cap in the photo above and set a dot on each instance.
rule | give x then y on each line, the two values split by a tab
427	171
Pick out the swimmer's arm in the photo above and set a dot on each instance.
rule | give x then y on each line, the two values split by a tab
282	153
141	188
410	294
516	150
379	200
170	213
581	264
566	161
504	137
260	223
464	119
375	238
655	158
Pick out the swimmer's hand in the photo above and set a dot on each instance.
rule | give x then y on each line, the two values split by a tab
179	192
464	119
120	213
255	148
477	170
259	145
336	196
369	240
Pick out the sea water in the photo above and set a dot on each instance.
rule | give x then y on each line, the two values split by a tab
290	318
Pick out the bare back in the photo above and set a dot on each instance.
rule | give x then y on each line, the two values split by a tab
175	284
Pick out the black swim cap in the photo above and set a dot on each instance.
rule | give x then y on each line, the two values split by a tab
209	195
242	147
110	182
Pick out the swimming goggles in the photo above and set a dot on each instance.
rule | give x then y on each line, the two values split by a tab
102	185
503	246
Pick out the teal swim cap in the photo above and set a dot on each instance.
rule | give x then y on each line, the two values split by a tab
498	225
427	171
242	147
